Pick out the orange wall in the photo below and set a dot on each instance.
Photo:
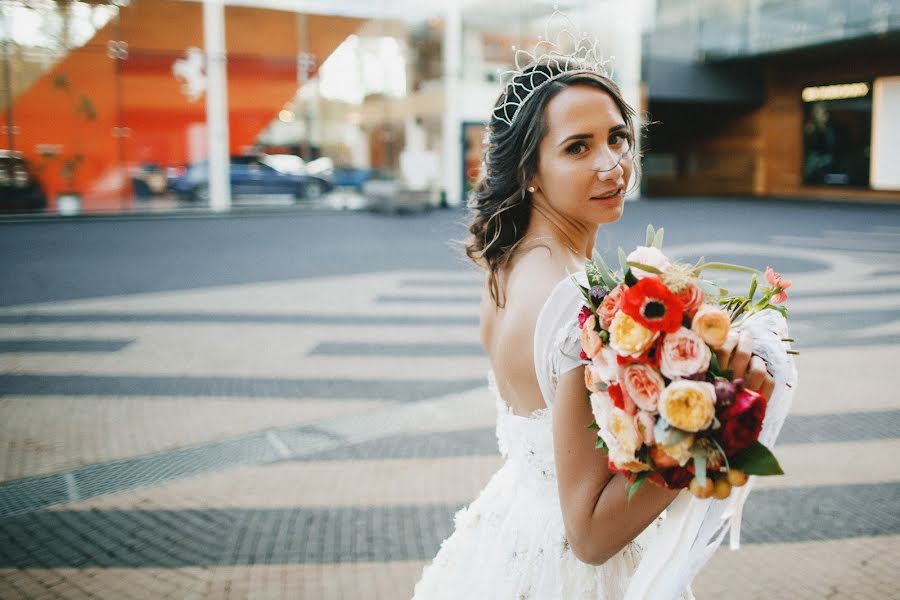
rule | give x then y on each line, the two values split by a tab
262	47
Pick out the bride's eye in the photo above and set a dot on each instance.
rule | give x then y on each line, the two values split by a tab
620	139
576	148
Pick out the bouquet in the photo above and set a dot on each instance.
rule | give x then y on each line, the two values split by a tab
664	409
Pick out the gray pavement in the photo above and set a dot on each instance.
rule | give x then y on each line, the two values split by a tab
295	404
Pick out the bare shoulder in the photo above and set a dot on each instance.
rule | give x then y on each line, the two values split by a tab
531	280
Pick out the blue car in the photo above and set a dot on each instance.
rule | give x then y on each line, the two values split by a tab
249	176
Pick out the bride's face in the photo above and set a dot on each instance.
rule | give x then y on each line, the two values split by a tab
586	157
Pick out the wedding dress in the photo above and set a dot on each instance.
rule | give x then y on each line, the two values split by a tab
510	542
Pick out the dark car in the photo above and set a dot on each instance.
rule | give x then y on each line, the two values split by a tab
20	191
249	176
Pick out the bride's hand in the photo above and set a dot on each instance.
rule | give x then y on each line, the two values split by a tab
737	354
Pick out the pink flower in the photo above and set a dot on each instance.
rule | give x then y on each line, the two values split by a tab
643	384
777	281
684	354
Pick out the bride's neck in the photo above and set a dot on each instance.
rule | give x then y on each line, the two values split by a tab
579	238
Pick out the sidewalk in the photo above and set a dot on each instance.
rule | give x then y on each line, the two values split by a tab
270	441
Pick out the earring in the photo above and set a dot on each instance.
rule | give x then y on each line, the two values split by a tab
531	189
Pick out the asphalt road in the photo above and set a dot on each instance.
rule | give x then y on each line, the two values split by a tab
66	259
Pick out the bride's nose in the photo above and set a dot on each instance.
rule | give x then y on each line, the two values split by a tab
608	164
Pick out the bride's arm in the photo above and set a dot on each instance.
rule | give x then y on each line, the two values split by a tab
598	517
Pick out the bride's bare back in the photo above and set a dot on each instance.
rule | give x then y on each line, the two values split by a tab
507	333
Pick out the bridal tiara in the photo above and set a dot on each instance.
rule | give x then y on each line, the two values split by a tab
569	51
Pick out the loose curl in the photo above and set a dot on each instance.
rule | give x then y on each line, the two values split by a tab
500	204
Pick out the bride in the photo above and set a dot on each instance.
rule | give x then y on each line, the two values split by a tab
553	522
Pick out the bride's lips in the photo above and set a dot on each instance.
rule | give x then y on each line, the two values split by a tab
610	195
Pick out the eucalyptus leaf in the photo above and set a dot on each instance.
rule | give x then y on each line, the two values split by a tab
726	267
651	233
756	459
623	260
708	286
658	239
700	466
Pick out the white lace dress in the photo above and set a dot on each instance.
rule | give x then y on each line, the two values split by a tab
510	542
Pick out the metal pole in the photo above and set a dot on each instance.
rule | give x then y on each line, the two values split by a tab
452	138
216	105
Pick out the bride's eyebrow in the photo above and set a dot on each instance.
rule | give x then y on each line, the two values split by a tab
588	136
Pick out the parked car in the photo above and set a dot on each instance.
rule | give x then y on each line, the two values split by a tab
20	191
148	179
249	176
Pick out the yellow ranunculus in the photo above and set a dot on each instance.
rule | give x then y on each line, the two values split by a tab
688	405
627	337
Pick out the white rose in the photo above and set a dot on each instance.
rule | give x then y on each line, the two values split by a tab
605	366
650	256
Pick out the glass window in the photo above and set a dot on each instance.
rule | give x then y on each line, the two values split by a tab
837	136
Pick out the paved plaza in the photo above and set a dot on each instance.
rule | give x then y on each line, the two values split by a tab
295	406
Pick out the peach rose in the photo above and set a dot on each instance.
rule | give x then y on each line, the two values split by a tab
643	384
683	354
628	338
610	305
692	298
590	339
712	324
688	405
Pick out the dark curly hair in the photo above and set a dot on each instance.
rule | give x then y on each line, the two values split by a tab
500	205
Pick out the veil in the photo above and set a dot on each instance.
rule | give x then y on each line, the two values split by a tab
693	528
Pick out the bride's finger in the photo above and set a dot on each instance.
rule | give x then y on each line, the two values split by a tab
756	374
740	359
724	352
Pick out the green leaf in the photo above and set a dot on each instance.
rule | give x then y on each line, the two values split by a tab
651	233
700	263
644	267
592	426
753	283
600	445
638	482
630	279
756	459
623	260
725	267
658	239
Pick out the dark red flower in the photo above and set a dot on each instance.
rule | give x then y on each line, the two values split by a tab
673	478
652	305
583	316
584	356
742	421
